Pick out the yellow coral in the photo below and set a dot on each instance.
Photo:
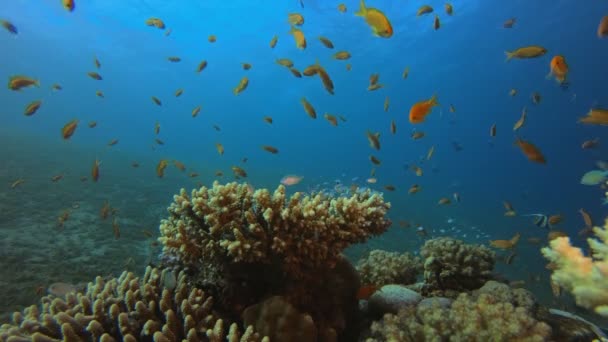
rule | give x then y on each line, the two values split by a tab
382	267
233	224
585	277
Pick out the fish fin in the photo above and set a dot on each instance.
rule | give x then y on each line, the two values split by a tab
434	100
362	10
509	55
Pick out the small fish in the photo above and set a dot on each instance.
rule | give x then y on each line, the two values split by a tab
406	72
509	211
179	92
68	5
417	135
540	220
291	180
373	139
17	182
68	129
377	21
586	218
195	111
558	68
595	116
270	149
393	127
268	119
286	62
56	87
160	167
32	108
95	170
217	128
592	143
386	104
179	165
158	141
602	28
424	9
430	153
135	164
444	201
521	121
421	109
594	177
348	67
555	219
201	66
156	101
273	41
174	59
371	180
532	152
57	178
512	92
299	37
168	32
449	9
506	244
389	187
295	72
113	142
326	42
331	119
241	86
115	228
19	82
212	38
493	130
342	55
526	52
95	75
374	160
308	108
536	98
295	19
156	22
239	172
509	23
193	175
375	87
92	124
456	197
509	258
220	149
342	8
105	210
99	93
436	23
157	128
9	26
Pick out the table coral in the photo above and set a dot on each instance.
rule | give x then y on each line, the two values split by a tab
586	277
125	309
452	265
382	267
232	224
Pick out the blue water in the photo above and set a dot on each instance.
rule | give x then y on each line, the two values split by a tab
463	63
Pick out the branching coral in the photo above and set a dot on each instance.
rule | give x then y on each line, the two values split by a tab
585	277
231	224
451	264
482	319
125	309
382	267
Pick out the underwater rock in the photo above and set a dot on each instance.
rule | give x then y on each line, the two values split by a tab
391	298
382	267
505	293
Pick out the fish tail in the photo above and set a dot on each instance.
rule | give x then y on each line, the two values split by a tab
37	83
362	9
509	55
515	239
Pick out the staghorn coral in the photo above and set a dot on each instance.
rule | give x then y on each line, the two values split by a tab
382	267
585	277
482	319
231	224
125	309
450	265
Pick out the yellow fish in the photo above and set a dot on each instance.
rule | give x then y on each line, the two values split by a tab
378	22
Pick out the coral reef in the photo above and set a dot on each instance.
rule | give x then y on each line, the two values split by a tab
382	267
585	277
126	309
232	224
451	266
468	319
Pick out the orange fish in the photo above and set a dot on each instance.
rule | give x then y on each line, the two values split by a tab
366	291
160	168
379	23
505	244
531	151
68	5
18	82
68	130
298	35
602	29
421	109
558	68
95	170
